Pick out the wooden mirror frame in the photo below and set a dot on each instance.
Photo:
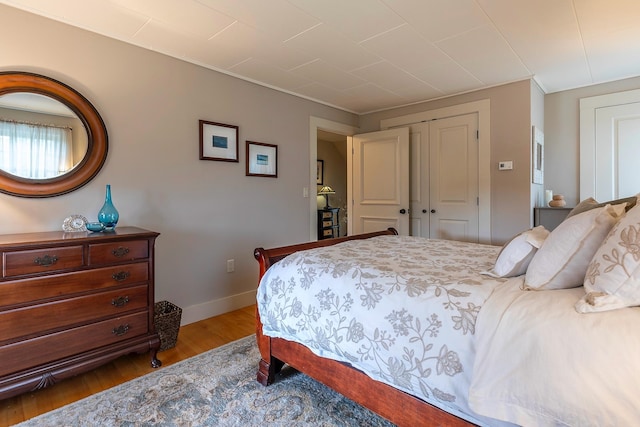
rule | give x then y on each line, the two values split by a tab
97	139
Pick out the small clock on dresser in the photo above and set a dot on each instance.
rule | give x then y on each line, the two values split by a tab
74	223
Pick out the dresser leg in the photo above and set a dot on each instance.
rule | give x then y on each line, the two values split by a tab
155	362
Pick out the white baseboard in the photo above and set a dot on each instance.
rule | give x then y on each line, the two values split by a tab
212	308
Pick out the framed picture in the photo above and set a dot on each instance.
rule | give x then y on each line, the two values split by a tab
537	157
320	173
218	141
262	159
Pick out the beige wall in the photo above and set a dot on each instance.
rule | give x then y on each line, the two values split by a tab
208	212
562	136
510	140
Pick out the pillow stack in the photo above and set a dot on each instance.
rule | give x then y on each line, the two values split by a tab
597	245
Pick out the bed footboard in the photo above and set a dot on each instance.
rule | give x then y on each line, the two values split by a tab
390	403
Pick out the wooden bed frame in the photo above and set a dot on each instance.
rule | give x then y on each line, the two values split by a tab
397	406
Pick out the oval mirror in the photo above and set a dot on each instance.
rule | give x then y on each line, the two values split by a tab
52	140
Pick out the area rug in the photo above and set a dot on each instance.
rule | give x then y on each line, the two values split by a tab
216	388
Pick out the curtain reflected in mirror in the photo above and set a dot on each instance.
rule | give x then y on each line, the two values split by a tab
40	138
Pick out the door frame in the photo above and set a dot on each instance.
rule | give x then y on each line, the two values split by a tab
483	109
315	124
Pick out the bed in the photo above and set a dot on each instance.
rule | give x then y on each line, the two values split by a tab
475	349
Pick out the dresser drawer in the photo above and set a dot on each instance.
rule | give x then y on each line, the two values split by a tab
31	320
21	263
108	253
48	348
58	285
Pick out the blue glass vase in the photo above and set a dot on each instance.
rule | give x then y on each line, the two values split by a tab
108	215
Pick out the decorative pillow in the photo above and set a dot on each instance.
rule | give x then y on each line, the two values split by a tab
591	203
562	260
517	253
613	276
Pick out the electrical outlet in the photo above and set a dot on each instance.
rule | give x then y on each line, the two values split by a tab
231	265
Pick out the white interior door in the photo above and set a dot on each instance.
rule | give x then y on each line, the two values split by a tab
609	145
453	176
617	151
379	181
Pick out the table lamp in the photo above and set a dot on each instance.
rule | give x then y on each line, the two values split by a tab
325	191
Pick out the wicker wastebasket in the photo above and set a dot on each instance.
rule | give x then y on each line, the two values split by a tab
166	318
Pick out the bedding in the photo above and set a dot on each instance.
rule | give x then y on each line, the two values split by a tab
402	309
541	363
418	315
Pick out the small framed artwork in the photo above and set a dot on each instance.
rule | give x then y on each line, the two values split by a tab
262	159
537	157
218	141
320	173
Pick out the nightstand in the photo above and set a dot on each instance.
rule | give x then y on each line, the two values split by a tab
549	217
328	226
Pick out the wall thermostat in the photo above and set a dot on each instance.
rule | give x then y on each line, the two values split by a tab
507	165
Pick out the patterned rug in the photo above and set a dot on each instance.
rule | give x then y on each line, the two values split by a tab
216	388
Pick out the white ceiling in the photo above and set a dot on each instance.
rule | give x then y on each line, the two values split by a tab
369	55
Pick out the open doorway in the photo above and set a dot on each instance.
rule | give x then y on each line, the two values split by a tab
331	155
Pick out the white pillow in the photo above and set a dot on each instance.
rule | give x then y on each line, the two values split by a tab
613	277
517	253
562	260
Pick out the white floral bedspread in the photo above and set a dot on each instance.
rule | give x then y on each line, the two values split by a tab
402	309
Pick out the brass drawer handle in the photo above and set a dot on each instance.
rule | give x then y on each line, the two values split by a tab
46	260
120	330
120	301
120	276
120	251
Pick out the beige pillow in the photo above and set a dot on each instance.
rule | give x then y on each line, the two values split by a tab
591	203
562	260
517	253
613	276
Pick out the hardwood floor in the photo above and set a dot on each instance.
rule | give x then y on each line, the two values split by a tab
193	339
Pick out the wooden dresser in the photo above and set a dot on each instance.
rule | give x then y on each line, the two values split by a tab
70	302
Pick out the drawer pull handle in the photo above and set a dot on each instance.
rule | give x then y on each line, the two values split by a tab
120	330
120	301
120	276
46	260
120	251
